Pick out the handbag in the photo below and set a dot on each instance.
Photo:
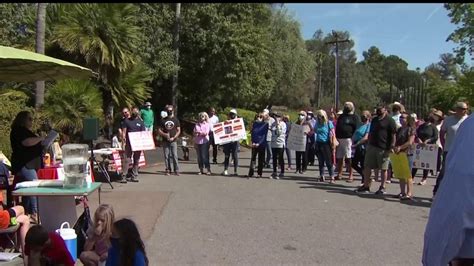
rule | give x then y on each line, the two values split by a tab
332	139
82	226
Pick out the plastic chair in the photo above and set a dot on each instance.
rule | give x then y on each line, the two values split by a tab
7	232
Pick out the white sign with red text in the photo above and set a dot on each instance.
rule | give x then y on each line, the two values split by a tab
229	131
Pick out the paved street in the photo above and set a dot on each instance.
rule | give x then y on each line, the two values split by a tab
218	220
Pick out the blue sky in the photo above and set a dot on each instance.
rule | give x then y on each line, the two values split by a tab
415	32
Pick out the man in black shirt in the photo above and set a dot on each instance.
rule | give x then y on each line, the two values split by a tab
382	138
132	124
170	130
347	123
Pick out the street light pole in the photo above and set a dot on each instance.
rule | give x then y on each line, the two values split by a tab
336	68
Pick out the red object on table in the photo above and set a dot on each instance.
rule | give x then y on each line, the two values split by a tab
48	173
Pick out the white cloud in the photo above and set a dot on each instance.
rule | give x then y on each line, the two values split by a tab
432	13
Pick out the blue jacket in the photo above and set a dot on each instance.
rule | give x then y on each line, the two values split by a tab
259	133
113	258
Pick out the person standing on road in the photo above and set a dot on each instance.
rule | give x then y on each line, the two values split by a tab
449	233
404	140
259	133
170	130
324	131
269	120
359	140
311	142
382	138
213	119
286	119
448	135
302	156
132	124
201	141
426	133
148	116
347	124
231	148
278	130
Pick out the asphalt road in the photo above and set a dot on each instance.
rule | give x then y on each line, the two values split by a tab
217	220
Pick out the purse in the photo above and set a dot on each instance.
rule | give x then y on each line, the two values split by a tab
332	139
81	227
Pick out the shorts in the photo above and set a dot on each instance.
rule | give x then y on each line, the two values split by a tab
376	158
344	149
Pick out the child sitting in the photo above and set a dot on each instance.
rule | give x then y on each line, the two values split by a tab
98	241
43	248
13	216
127	245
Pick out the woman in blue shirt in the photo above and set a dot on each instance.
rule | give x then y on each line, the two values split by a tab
359	140
324	129
127	246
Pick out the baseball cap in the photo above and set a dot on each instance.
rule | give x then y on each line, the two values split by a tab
233	111
147	104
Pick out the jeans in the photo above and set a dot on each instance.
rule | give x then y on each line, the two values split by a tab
301	161
269	152
231	148
288	156
202	151
30	203
357	162
310	152
129	154
260	151
277	154
324	153
441	173
214	147
171	155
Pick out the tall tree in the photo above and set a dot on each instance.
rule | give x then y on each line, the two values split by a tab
462	14
40	34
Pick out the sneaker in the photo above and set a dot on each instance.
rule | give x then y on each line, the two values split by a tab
406	198
422	183
225	173
388	181
277	178
274	174
270	177
208	172
199	173
167	172
362	189
297	171
281	175
381	191
259	176
176	173
302	172
134	180
123	181
322	179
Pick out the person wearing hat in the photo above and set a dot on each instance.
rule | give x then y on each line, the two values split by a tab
148	116
302	156
448	135
231	148
278	130
438	121
397	109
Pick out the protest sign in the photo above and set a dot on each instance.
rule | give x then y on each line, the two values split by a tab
117	160
297	138
425	156
141	140
400	165
229	131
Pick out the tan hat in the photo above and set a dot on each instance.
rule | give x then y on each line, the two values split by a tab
438	113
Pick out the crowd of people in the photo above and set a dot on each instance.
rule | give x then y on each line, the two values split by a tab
341	142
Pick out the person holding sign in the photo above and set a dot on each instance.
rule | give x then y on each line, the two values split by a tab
259	143
170	131
278	130
302	156
201	141
132	124
231	148
427	133
404	140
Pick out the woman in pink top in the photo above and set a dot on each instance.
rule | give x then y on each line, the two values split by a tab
201	142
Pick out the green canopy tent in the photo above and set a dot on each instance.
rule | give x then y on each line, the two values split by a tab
24	66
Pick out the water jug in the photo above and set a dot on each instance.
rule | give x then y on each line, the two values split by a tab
70	238
75	161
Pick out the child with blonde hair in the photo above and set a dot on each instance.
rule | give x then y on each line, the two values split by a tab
98	240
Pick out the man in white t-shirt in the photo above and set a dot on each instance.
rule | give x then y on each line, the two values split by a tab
448	134
213	119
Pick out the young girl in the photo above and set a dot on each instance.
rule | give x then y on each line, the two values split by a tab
127	246
98	241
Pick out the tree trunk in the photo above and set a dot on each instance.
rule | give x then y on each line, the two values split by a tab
40	33
174	88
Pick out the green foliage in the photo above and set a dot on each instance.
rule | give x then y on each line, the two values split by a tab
132	87
17	26
462	14
13	101
68	102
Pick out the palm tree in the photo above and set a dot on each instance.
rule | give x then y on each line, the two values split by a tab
68	102
105	37
40	33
